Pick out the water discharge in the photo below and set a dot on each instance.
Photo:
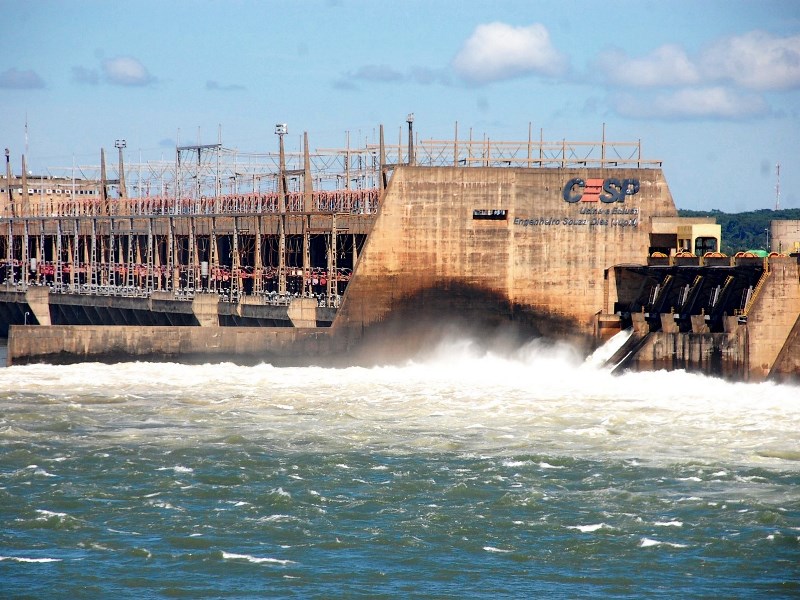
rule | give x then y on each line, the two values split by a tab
463	472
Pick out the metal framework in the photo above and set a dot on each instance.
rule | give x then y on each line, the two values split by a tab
214	171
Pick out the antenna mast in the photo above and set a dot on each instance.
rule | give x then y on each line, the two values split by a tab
26	133
778	186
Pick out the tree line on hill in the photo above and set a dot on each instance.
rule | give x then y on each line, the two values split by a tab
745	230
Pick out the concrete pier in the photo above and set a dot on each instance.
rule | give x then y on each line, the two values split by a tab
64	344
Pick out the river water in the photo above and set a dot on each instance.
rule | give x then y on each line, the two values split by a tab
458	474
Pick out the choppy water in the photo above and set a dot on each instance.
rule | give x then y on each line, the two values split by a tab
458	475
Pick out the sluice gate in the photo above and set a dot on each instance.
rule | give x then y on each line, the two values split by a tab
729	317
685	298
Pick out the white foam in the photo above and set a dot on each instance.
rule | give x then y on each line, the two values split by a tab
46	514
274	518
165	505
589	528
545	465
22	559
493	549
177	469
648	542
43	473
256	559
94	546
456	396
600	357
668	523
124	532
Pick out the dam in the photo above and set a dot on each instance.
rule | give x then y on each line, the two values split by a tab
329	254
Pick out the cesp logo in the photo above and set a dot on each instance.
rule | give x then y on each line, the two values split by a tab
603	190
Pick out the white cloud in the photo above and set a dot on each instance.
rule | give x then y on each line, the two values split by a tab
690	103
20	80
755	60
125	70
497	51
666	66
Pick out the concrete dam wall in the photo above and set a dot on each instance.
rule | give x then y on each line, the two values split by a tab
527	245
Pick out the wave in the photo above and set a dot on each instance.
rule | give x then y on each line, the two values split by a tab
255	559
538	399
590	528
649	543
23	559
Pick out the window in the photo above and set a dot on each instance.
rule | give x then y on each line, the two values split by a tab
704	244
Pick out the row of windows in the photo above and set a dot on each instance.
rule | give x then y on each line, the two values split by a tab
51	191
701	245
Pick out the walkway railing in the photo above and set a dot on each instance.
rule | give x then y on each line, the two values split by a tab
339	201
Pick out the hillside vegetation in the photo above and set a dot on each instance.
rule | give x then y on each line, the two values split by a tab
746	230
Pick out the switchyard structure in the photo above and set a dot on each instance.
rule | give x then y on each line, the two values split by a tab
250	227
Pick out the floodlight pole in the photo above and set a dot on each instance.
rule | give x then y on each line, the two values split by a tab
410	121
281	130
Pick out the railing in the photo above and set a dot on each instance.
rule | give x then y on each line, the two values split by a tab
270	297
340	201
756	291
531	154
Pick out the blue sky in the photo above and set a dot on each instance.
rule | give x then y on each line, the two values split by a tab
711	88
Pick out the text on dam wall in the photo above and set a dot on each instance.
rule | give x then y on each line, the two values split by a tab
597	221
